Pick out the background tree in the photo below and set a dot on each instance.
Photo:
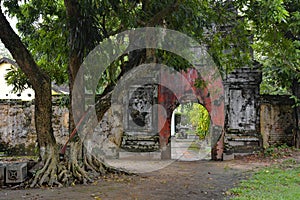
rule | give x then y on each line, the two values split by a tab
41	84
276	43
199	118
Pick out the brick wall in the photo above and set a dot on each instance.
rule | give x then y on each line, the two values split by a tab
276	120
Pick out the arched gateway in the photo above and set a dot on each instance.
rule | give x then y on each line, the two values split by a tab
187	89
149	101
146	113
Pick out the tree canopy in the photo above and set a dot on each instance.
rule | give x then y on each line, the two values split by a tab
231	30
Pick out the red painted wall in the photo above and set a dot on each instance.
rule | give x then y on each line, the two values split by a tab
175	88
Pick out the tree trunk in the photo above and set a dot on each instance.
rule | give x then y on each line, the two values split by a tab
76	55
43	105
39	80
78	163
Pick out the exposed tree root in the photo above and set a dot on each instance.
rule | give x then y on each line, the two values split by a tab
94	164
75	166
73	170
52	173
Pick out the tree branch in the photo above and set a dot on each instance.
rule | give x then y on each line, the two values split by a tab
20	53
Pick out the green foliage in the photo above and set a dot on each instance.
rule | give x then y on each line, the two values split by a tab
42	27
17	78
271	85
276	29
233	31
199	118
271	183
172	60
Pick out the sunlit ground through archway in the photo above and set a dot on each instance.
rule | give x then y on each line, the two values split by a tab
190	138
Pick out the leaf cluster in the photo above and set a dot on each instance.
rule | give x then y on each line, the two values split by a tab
41	25
234	32
275	28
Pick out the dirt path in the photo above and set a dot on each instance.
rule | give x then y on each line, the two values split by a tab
179	180
172	180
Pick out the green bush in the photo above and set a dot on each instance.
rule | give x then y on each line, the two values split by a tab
200	120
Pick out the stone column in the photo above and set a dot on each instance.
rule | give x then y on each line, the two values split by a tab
242	127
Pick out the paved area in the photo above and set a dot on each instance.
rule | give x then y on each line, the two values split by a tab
189	149
181	150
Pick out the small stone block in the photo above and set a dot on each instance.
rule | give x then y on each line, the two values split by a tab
16	172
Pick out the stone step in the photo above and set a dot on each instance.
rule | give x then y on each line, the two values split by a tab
140	143
239	145
240	137
156	155
243	142
138	147
240	140
140	138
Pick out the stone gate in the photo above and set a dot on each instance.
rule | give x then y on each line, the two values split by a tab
242	101
251	121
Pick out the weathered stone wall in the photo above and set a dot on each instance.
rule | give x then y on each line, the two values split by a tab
251	121
60	123
105	139
277	120
242	129
17	128
17	132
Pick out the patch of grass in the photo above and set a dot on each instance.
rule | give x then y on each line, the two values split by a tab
226	168
271	183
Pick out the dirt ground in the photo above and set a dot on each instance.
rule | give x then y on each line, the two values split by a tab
175	180
178	180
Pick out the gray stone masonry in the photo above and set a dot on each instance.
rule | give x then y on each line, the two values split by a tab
242	128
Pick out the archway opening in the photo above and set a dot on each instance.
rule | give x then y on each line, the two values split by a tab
190	135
